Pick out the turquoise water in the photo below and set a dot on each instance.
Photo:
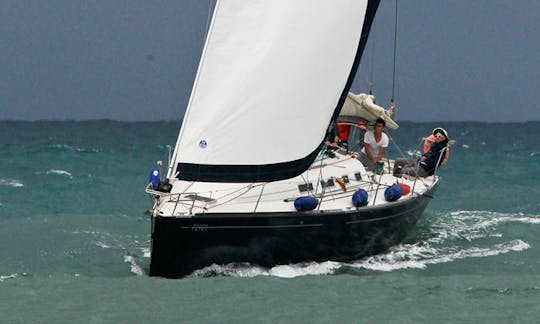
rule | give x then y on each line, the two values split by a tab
75	241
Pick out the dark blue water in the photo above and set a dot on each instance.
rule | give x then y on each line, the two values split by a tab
74	239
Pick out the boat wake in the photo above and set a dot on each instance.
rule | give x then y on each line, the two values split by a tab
282	271
442	238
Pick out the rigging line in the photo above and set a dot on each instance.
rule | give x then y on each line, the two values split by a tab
246	190
258	199
323	191
399	148
395	50
372	63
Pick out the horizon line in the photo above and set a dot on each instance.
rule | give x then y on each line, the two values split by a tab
179	120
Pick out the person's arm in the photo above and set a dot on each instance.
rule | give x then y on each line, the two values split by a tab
380	155
334	143
382	148
367	148
424	156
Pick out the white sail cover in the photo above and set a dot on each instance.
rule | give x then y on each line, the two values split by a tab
269	80
362	107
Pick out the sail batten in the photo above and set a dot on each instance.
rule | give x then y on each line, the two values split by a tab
270	80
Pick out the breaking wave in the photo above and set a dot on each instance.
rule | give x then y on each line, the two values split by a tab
11	183
59	172
135	268
13	276
419	257
282	271
8	277
69	148
451	236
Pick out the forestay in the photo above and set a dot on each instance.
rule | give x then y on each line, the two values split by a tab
270	78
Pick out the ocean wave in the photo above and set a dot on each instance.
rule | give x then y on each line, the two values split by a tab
8	277
135	268
60	172
527	291
472	225
11	183
69	148
419	257
103	245
13	276
146	252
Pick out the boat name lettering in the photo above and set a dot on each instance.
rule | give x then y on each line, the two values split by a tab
199	227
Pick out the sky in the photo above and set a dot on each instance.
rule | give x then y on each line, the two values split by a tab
456	60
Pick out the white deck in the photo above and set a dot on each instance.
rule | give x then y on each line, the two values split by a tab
188	198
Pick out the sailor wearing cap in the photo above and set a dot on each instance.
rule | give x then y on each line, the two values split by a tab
429	161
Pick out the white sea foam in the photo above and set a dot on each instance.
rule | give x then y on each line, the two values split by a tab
77	231
473	225
60	172
103	245
66	147
419	257
487	218
146	252
8	277
231	269
282	271
312	268
135	268
11	183
446	245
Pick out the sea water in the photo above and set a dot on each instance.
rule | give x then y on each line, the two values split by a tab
74	240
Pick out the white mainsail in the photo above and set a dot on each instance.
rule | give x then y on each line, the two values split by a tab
269	81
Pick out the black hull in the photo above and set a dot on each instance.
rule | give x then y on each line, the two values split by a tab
181	245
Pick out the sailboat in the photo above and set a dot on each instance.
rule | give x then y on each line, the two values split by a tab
248	180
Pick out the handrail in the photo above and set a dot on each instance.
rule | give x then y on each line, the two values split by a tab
442	153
